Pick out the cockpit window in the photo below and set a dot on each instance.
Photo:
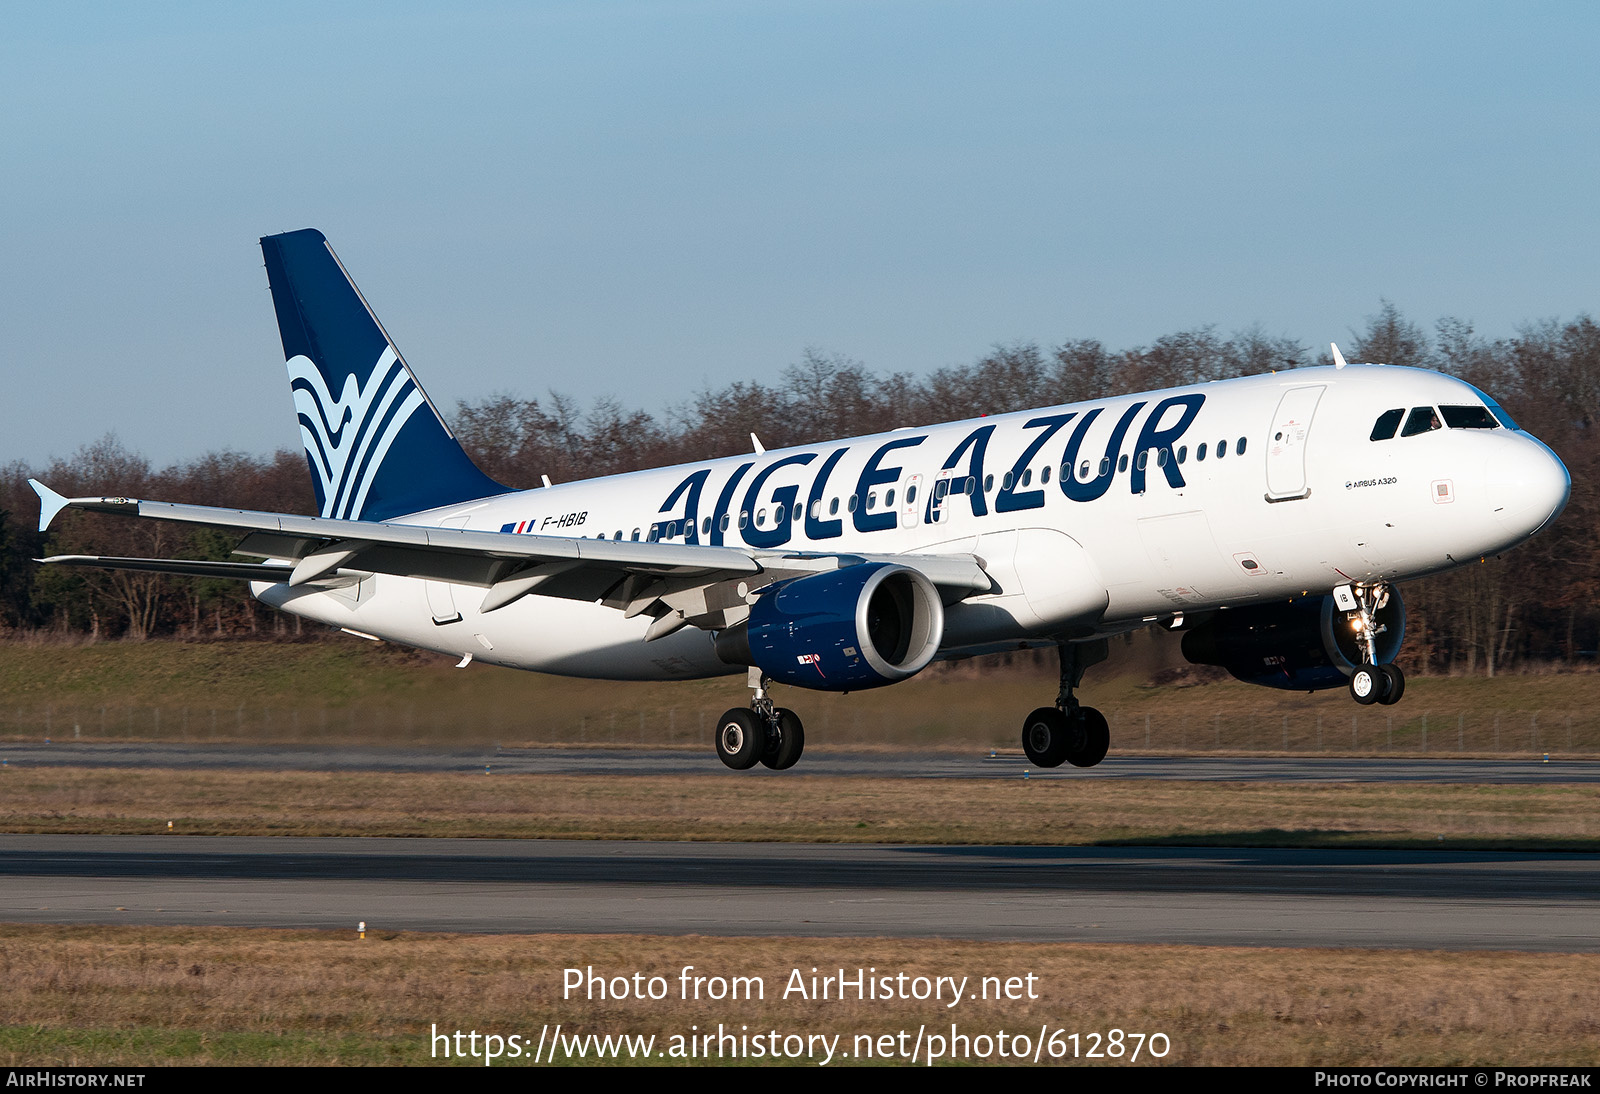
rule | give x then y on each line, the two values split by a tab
1388	422
1468	417
1421	420
1500	412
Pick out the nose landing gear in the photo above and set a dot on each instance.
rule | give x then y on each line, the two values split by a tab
1370	682
1069	732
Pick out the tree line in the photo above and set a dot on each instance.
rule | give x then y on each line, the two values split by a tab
1537	605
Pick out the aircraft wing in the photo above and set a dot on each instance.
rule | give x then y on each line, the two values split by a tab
677	584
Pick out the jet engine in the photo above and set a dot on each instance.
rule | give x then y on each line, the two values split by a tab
858	627
1306	645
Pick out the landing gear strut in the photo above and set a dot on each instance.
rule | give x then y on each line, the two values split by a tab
1069	732
762	733
1370	682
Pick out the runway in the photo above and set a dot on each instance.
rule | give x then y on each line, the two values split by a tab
1261	897
907	764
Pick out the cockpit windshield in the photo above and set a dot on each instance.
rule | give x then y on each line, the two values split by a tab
1425	419
1468	417
1420	420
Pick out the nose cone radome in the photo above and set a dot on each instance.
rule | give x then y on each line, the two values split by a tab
1528	487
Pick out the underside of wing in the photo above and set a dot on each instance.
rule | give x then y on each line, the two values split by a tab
675	584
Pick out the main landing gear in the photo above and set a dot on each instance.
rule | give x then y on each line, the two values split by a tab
1370	682
761	733
1068	732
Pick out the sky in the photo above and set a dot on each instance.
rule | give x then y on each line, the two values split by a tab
640	200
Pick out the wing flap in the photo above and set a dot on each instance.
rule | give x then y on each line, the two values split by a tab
238	571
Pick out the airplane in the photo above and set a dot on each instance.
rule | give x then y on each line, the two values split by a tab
1268	518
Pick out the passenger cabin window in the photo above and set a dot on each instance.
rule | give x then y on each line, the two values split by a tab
1421	420
1389	421
1222	449
1239	451
1122	463
1200	453
1468	417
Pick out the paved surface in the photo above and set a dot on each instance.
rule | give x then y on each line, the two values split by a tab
1458	900
883	765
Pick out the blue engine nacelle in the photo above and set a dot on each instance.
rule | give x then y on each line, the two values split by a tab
858	627
1304	646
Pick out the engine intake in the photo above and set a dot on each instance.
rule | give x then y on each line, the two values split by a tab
862	626
1304	646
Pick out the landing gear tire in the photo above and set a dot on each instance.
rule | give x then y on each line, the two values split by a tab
786	743
1096	739
1397	684
1368	684
1047	737
1052	737
741	738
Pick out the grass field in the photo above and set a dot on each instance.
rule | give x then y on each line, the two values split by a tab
800	808
132	996
355	691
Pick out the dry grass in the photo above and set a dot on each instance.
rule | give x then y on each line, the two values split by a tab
347	692
798	808
131	996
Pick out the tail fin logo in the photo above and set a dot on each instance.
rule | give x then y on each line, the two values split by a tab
347	437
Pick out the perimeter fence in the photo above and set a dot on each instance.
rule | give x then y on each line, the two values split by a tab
1337	729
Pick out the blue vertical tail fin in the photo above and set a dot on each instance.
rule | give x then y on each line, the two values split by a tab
377	446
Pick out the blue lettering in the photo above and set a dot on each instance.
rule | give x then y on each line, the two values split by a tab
1008	500
873	475
817	528
784	496
1089	490
1152	438
977	442
724	500
691	514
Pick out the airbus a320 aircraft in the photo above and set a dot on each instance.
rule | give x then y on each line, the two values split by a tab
1267	517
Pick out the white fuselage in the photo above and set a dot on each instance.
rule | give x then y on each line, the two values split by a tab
1216	495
